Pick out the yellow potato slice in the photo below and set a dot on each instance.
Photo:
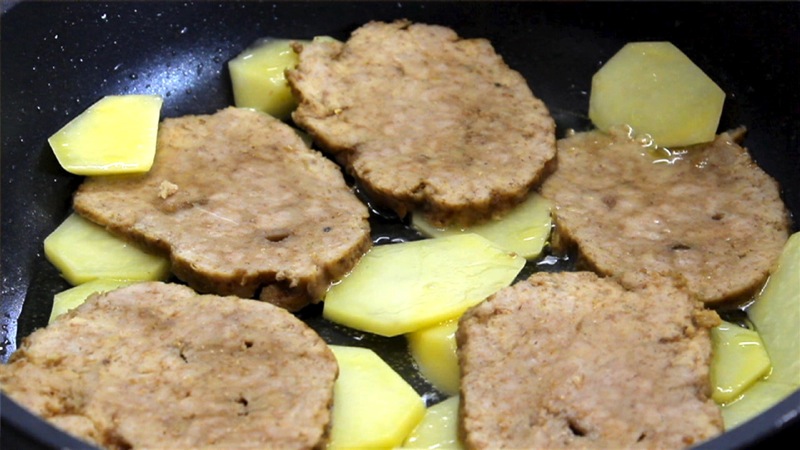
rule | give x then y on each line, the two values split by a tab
761	396
656	89
400	288
434	351
83	251
524	230
373	406
74	297
776	315
258	80
438	429
115	135
738	361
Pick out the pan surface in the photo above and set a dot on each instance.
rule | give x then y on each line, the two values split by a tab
57	58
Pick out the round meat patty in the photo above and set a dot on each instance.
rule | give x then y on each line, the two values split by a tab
707	214
241	205
424	120
155	365
571	360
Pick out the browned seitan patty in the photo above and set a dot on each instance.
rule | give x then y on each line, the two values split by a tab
424	120
707	214
242	206
571	360
155	365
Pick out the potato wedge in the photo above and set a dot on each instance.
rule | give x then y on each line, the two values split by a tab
524	230
74	297
257	77
83	251
738	361
115	135
373	406
761	396
438	429
400	288
656	89
434	351
776	315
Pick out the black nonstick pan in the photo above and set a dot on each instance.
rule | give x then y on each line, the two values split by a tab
57	58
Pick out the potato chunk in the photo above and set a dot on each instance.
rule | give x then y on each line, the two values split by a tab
776	315
434	351
83	251
524	230
656	89
761	396
257	77
400	288
739	360
115	135
258	80
373	406
74	297
438	429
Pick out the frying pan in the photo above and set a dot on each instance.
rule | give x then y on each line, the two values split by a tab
60	57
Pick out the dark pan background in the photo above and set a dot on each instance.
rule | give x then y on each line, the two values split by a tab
57	58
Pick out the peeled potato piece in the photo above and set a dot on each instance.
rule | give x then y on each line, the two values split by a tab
400	288
438	429
738	361
83	251
373	406
115	135
761	396
74	297
257	77
776	315
656	89
524	230
434	351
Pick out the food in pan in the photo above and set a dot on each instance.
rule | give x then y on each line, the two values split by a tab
73	297
776	313
775	316
739	360
156	365
401	288
374	407
438	429
115	135
425	121
707	214
572	360
258	77
440	41
523	230
434	352
242	206
84	251
656	89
